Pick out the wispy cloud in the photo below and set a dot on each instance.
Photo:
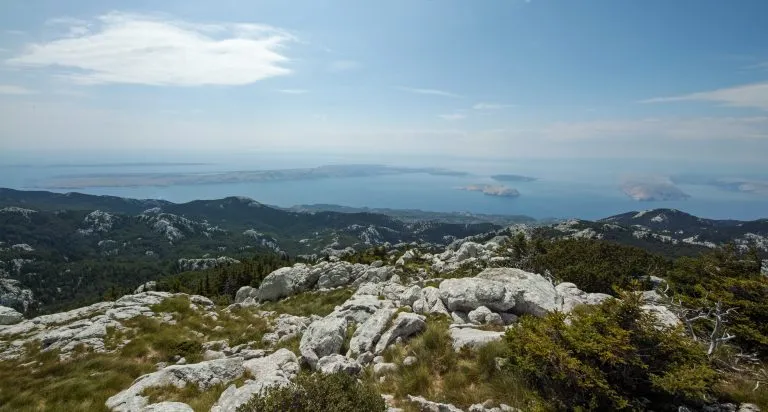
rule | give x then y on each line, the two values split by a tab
452	116
141	49
15	90
15	32
339	66
750	95
492	106
432	92
293	91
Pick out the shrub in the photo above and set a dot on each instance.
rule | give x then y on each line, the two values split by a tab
596	266
609	357
734	279
317	392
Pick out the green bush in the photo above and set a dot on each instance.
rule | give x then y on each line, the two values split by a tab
594	265
317	392
734	279
609	357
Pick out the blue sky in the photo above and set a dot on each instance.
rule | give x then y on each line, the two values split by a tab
508	78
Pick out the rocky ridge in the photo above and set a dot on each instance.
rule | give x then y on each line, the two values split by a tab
390	304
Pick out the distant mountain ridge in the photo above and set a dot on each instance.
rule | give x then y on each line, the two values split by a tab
68	248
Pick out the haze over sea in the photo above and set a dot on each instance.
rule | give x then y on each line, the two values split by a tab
583	188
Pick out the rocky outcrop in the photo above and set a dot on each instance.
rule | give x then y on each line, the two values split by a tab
533	294
369	332
322	338
14	295
338	364
429	406
404	326
277	369
299	278
168	407
287	281
286	327
429	301
146	287
664	317
484	316
572	296
86	326
359	308
472	338
9	316
467	294
203	374
205	263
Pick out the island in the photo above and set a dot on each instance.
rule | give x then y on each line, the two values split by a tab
492	190
754	185
513	178
653	190
251	176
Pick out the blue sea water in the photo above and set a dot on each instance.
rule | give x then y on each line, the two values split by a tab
584	189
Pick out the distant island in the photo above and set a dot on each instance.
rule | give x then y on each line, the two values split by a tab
653	190
492	190
755	185
416	215
513	178
174	179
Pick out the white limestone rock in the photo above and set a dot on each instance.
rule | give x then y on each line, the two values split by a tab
245	294
664	317
359	308
429	406
277	369
473	338
430	302
533	294
404	326
484	316
168	407
146	287
287	281
203	374
322	338
572	296
9	316
286	327
338	363
466	294
369	332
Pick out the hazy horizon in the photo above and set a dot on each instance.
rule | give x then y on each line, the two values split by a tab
605	102
518	78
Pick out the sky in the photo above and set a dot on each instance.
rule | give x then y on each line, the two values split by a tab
652	79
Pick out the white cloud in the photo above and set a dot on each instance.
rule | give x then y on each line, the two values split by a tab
491	106
750	95
339	66
293	91
141	49
15	32
452	116
15	90
432	92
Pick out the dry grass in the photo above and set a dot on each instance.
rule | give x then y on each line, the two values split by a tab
85	382
442	375
309	303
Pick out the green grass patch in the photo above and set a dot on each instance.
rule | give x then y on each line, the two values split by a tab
442	375
83	384
310	303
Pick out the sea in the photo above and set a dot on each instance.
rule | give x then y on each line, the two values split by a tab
565	188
